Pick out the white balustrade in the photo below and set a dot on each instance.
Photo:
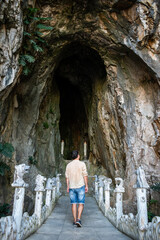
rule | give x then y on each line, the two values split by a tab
54	189
39	196
49	187
141	187
58	184
137	227
107	183
20	186
54	193
119	196
18	227
100	191
96	185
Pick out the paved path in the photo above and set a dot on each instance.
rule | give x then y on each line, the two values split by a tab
59	224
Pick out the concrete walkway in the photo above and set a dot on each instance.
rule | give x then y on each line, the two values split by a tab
59	224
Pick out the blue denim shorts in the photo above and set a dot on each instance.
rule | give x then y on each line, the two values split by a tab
77	195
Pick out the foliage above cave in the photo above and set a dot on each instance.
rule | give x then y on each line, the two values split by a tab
33	41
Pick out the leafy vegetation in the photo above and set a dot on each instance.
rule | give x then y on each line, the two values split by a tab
4	168
32	160
4	209
46	125
6	149
33	41
151	214
156	187
152	202
51	110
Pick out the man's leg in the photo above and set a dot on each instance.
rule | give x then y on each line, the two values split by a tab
74	211
80	210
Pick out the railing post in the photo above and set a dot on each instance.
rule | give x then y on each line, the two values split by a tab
62	147
141	187
20	186
54	193
54	189
119	197
39	194
85	150
58	184
100	196
107	183
96	185
48	191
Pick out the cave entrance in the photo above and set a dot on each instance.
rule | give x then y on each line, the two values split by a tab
78	67
73	120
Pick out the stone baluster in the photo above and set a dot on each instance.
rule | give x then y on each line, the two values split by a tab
96	185
62	147
58	184
54	193
20	186
119	197
141	187
54	189
107	183
49	186
100	199
39	195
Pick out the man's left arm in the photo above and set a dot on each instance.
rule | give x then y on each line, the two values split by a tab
67	181
85	175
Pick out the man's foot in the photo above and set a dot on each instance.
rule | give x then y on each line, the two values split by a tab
74	224
78	223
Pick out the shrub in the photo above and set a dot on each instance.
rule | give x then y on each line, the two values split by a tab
4	209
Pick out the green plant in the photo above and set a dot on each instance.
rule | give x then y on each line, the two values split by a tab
51	110
151	214
156	187
33	41
4	209
4	168
32	160
6	149
47	116
46	125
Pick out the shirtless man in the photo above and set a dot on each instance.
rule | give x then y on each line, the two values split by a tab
77	184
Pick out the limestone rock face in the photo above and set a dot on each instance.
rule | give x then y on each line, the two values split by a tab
11	32
105	53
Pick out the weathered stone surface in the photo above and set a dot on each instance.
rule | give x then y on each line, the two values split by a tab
110	52
11	32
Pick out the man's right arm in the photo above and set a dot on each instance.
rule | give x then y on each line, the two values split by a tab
67	180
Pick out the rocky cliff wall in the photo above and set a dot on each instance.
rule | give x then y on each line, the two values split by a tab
110	52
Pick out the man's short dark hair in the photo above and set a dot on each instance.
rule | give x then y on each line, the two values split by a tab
74	154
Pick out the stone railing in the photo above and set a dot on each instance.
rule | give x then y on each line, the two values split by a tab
20	225
137	227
